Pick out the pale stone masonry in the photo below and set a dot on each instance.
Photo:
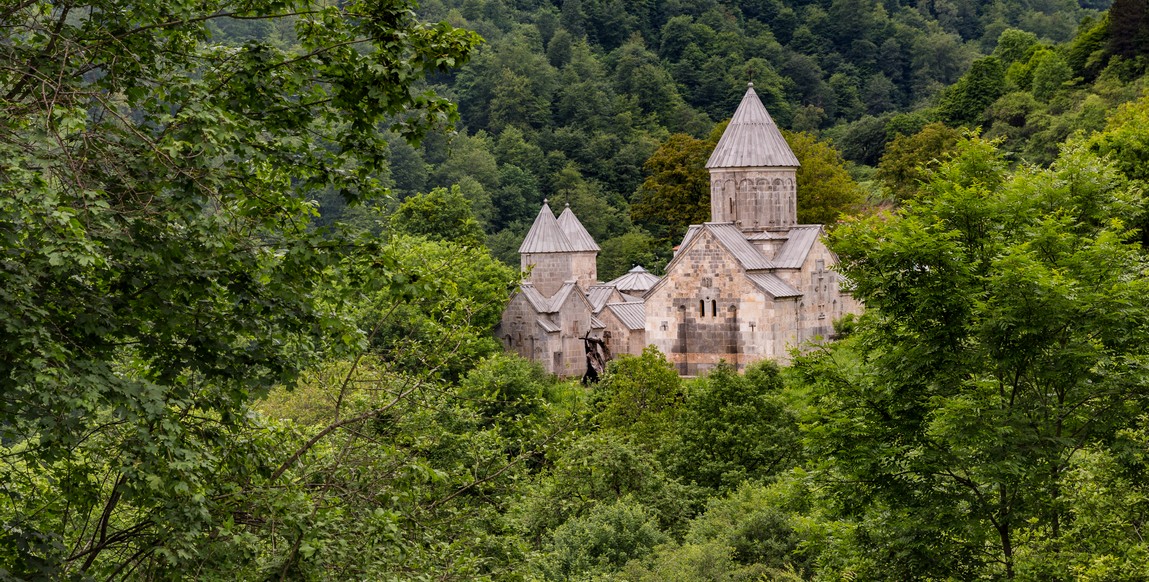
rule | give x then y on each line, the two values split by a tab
751	284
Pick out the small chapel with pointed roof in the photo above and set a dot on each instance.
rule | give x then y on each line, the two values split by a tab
750	284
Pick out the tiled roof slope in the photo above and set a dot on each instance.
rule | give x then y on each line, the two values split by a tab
546	236
793	252
631	314
539	303
752	140
598	295
776	287
578	237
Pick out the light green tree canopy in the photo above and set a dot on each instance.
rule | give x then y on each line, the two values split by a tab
1005	332
155	198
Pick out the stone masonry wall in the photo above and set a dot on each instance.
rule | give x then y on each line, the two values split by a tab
619	338
569	357
548	270
823	301
706	310
754	198
584	269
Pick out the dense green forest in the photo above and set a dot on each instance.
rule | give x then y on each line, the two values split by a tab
252	254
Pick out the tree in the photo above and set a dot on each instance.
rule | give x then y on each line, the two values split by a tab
862	141
1125	144
677	192
442	214
1005	311
909	160
1087	53
1128	28
158	268
602	541
964	101
633	249
638	395
734	428
1015	46
825	190
1049	74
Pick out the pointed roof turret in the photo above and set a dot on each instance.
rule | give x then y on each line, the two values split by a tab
752	140
545	236
579	238
637	280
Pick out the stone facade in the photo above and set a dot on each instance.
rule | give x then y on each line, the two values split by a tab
711	307
750	285
549	330
754	198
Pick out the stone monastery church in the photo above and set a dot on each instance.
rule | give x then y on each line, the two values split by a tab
750	284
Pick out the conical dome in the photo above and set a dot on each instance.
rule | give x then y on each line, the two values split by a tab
545	236
637	280
580	239
752	140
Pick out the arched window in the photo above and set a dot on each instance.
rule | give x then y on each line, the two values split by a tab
713	308
701	308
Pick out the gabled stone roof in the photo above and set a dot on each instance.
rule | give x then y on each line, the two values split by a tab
560	297
550	304
752	140
580	240
546	236
735	241
539	303
638	280
598	296
691	232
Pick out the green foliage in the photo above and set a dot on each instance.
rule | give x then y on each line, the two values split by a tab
1087	53
708	561
1004	328
602	541
164	267
638	394
1123	140
677	192
1124	143
909	159
443	214
159	269
1106	497
622	253
825	189
596	469
733	428
1015	46
1049	74
509	393
1128	29
963	102
440	322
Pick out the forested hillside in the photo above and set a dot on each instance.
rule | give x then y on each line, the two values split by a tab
250	258
569	100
